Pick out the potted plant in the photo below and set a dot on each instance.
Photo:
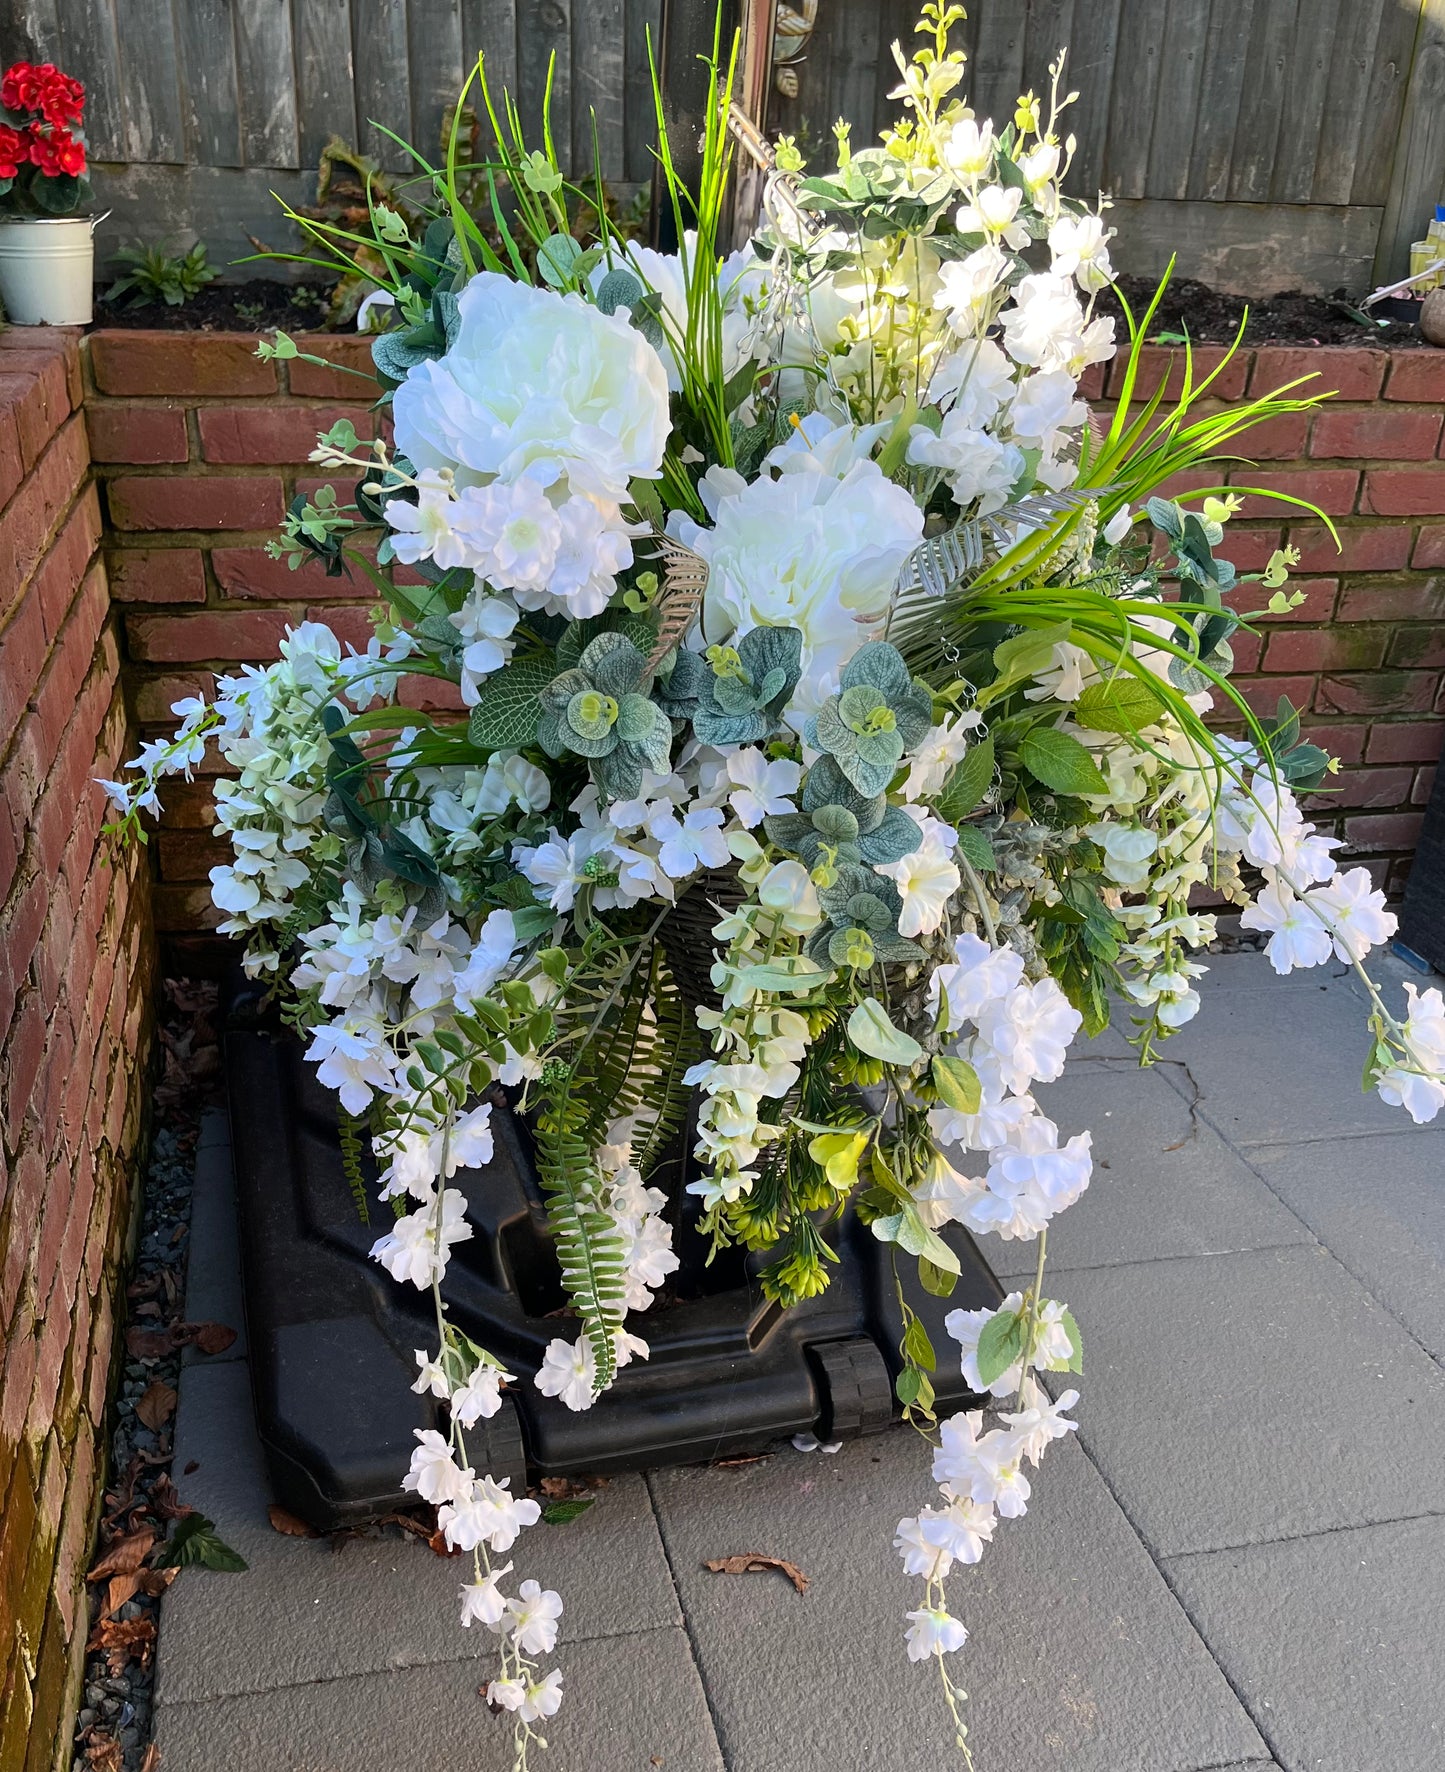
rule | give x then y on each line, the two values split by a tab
46	249
834	750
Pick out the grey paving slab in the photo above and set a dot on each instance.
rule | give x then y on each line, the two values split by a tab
315	1609
1228	1398
1278	1060
1164	1182
1338	1641
213	1267
1080	1658
630	1704
1379	1204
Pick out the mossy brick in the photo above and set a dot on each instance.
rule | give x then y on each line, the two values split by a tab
1418	647
1377	692
1395	599
1325	649
185	363
15	1729
48	1692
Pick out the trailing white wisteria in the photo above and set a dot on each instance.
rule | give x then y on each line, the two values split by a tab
832	750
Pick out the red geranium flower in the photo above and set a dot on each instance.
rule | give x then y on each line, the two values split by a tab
61	99
14	151
21	88
55	151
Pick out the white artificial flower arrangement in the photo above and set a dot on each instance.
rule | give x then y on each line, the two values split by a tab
795	604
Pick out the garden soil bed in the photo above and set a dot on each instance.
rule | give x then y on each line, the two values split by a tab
1206	315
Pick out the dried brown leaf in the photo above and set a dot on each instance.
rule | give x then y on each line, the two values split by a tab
120	1589
165	1503
103	1753
122	1639
210	1338
152	1760
156	1404
287	1523
124	1556
750	1561
155	1581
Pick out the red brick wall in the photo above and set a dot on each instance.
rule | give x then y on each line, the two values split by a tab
1364	655
75	970
199	447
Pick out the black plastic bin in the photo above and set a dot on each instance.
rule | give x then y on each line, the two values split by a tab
332	1335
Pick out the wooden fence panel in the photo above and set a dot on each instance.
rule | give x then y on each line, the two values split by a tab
1315	119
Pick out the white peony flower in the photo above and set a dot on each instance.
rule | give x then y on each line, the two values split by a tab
818	553
540	384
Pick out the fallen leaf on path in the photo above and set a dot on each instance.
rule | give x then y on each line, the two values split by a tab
156	1404
152	1760
750	1561
727	1464
210	1338
287	1523
123	1557
155	1581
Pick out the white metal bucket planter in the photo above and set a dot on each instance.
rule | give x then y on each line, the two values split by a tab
47	268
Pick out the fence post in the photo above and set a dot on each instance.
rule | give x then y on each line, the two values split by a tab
1417	176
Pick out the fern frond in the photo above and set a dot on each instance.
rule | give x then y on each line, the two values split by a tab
350	1133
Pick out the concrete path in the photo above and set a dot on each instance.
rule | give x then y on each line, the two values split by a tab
1241	1564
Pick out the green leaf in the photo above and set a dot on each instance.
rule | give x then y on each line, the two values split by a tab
195	1542
908	1385
508	712
1001	1343
1060	762
979	851
917	1347
557	260
1121	705
1076	1341
562	1513
935	1279
618	289
871	1031
907	1229
957	1084
968	783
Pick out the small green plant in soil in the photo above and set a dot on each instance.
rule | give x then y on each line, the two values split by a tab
157	275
